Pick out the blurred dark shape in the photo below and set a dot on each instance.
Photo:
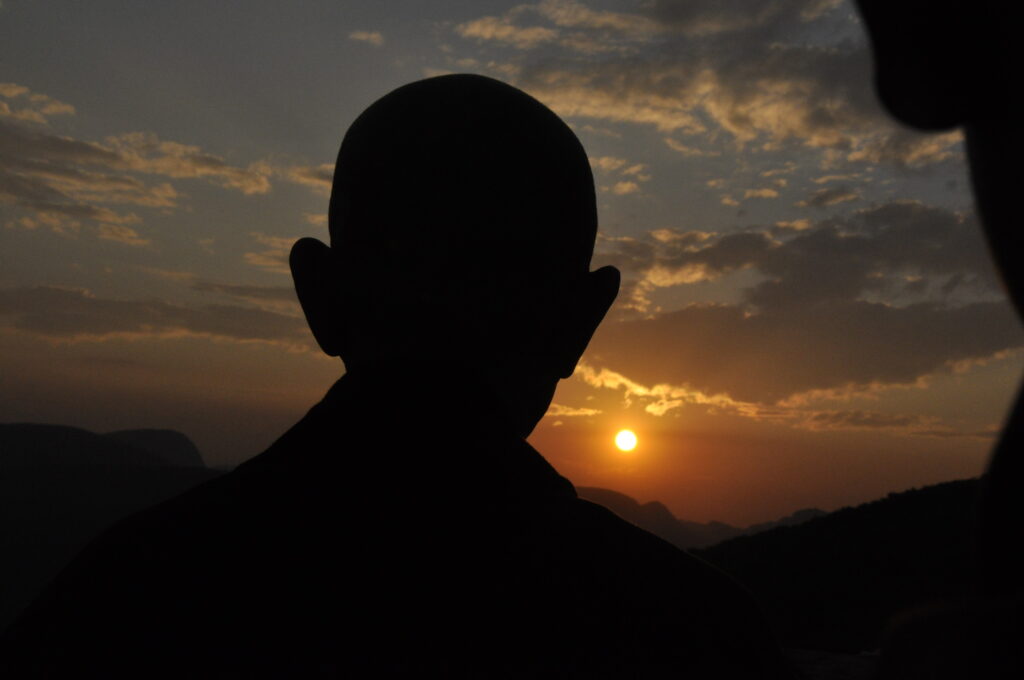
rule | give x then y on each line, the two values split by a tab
950	63
404	526
958	638
833	583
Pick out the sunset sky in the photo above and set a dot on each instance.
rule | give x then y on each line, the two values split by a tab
809	316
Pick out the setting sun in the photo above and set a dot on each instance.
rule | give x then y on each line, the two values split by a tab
625	440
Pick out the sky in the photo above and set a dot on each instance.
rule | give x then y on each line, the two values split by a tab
808	316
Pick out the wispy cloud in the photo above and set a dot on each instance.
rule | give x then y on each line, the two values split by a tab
63	183
562	411
681	75
318	178
17	102
823	198
503	30
274	256
663	398
67	315
122	234
375	38
886	296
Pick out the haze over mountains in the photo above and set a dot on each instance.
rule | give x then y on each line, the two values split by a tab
657	519
829	581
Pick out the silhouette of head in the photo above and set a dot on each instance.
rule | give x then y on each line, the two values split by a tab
462	223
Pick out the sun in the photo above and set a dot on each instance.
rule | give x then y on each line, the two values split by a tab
625	440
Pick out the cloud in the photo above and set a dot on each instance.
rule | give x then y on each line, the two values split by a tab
147	153
899	423
569	14
761	193
824	179
375	38
501	29
279	299
688	150
562	411
793	225
318	178
19	103
662	398
630	174
607	163
886	296
273	258
895	253
823	198
63	183
804	78
122	234
66	315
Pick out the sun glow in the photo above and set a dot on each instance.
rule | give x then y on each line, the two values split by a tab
625	440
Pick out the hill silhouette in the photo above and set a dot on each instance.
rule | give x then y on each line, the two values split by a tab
656	518
33	445
834	582
172	447
61	486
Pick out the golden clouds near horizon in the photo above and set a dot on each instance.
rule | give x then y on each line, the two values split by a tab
625	440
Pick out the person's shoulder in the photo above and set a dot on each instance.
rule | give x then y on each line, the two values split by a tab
684	605
624	540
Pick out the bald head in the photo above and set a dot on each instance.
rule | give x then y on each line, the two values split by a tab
470	170
462	224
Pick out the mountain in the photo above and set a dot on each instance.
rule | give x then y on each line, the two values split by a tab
31	445
833	582
61	486
172	447
657	519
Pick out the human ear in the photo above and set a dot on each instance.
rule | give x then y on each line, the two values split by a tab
599	290
318	287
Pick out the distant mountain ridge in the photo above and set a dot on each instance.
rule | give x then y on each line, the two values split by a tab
660	521
171	446
33	445
61	486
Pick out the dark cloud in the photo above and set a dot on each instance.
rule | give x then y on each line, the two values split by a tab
803	77
772	355
887	295
279	299
823	198
318	178
61	182
74	315
862	419
272	293
904	423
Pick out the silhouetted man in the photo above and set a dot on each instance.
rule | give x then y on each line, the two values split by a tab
404	525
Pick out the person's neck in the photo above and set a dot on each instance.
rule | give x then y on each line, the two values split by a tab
431	391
